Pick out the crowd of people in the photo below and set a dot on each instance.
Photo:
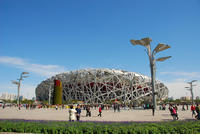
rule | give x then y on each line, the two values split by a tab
26	106
172	108
75	113
194	109
75	110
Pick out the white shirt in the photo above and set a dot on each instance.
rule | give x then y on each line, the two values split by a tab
72	114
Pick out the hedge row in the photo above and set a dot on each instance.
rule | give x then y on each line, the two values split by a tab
51	127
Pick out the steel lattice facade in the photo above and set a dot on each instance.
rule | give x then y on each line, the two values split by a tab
101	85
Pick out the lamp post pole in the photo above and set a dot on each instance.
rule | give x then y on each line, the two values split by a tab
191	90
152	68
18	90
50	91
19	85
151	54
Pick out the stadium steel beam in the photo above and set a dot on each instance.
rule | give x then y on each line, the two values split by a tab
151	54
93	86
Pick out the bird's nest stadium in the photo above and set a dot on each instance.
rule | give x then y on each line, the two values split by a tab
101	85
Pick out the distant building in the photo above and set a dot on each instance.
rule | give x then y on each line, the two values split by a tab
22	98
8	96
171	98
197	98
185	98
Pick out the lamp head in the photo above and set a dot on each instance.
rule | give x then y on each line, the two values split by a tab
25	76
142	42
15	82
160	47
163	58
137	42
146	40
25	72
194	81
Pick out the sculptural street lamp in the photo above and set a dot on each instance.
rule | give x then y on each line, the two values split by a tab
151	54
18	83
191	90
50	86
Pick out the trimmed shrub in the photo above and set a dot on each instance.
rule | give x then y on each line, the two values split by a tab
52	127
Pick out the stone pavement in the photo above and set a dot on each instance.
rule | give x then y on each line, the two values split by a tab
107	115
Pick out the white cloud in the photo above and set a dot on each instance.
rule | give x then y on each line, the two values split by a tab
183	74
177	82
12	61
27	90
42	70
177	88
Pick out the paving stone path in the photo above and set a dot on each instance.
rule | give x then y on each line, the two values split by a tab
107	115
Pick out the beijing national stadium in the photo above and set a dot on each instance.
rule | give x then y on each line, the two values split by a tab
101	85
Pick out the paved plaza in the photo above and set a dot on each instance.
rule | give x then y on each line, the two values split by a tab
107	115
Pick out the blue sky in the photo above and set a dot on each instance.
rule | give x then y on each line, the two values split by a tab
46	37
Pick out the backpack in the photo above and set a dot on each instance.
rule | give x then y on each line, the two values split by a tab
174	111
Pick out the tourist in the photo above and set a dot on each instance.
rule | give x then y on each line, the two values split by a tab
56	107
183	107
187	106
115	107
173	111
72	114
78	112
163	106
118	108
88	112
147	106
193	110
197	111
19	106
100	111
4	105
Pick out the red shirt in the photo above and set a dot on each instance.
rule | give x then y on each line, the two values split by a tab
192	108
99	109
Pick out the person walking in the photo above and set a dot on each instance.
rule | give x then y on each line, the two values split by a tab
193	110
183	107
118	108
78	112
187	106
197	111
115	107
72	114
100	111
88	112
175	113
4	105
